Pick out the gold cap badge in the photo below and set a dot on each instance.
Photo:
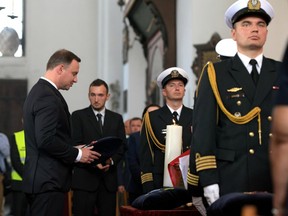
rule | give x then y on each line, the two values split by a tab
254	5
174	73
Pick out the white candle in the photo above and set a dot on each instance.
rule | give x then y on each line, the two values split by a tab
173	148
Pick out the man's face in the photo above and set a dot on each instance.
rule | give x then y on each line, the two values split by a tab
135	125
68	75
250	33
98	96
174	90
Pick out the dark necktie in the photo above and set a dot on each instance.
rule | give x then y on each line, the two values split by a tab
175	115
254	72
99	119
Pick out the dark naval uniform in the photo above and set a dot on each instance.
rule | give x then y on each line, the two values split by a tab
152	151
231	130
282	97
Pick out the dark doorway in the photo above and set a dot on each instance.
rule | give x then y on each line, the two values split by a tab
12	96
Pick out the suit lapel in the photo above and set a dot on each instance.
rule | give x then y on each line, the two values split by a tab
107	120
266	80
166	115
93	120
184	117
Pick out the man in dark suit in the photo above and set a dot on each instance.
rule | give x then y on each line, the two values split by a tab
232	112
50	154
96	186
172	81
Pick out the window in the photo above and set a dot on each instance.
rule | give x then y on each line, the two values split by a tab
11	28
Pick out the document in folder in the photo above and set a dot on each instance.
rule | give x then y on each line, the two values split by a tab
107	147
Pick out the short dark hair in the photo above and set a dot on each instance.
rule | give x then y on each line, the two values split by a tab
61	56
135	119
99	82
147	107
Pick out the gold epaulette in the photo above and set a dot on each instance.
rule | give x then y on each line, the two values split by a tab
147	177
192	179
255	112
205	162
151	136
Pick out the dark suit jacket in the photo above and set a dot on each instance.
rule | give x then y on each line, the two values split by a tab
159	120
242	162
133	158
84	130
49	151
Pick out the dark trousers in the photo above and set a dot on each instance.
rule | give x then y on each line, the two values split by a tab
47	204
100	202
19	204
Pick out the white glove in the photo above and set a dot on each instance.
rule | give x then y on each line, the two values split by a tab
198	203
211	193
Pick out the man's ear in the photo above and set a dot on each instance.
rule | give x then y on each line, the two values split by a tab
108	96
164	92
59	68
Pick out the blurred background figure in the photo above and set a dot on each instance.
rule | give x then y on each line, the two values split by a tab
134	186
4	153
123	171
17	155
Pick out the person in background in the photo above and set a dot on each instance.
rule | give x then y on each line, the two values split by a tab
17	155
232	110
127	127
172	82
4	153
135	124
50	154
134	186
122	169
95	187
279	144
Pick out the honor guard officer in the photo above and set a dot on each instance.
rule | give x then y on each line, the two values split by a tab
232	112
172	81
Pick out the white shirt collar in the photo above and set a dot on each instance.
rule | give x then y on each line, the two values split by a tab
102	112
44	78
178	110
245	60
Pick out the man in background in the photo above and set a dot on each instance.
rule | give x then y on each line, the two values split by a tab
17	155
4	153
172	82
95	187
134	185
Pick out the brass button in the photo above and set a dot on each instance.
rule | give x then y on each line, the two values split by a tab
251	134
237	114
251	151
270	134
269	118
239	103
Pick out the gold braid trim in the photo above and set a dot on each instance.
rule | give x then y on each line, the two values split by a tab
150	135
200	77
192	179
205	162
147	177
237	120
